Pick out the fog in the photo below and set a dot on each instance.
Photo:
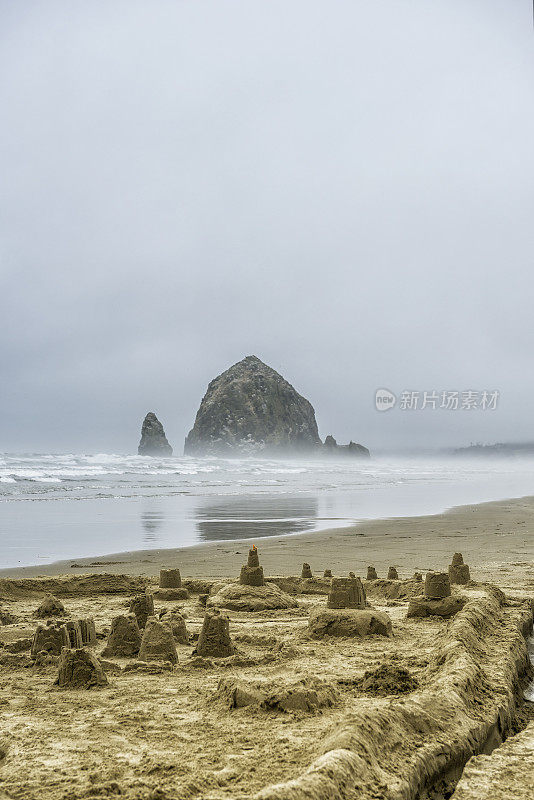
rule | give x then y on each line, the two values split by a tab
343	189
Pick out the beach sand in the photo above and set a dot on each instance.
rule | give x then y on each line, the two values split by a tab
496	539
179	733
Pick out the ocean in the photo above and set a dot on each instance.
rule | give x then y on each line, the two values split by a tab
71	506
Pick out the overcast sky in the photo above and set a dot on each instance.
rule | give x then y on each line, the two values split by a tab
345	189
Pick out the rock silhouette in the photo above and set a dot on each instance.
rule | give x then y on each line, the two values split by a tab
251	408
153	440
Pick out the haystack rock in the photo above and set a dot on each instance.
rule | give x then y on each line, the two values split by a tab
153	440
251	408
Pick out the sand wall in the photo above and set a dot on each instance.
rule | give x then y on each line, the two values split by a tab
405	746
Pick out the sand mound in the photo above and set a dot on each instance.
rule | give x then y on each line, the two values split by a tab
50	607
388	679
309	694
237	597
349	622
71	586
438	607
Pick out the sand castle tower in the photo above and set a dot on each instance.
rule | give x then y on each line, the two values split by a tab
252	593
371	574
143	608
306	571
170	579
170	585
393	575
50	638
214	640
157	643
80	669
251	572
437	585
346	593
125	638
458	571
437	599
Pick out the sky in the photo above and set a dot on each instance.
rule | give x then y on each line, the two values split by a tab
344	189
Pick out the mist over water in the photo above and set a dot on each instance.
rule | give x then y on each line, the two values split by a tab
72	506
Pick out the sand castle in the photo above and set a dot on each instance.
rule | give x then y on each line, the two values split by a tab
458	571
246	596
176	622
80	669
437	599
347	613
125	638
170	585
371	574
346	593
51	638
50	607
306	571
157	643
214	640
143	608
251	572
393	575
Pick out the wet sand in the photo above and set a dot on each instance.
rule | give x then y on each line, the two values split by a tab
496	539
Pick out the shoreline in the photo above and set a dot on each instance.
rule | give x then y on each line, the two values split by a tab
496	538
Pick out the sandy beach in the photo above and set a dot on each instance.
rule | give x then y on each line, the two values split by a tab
290	711
497	540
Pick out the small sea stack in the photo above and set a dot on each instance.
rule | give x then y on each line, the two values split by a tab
371	574
157	642
306	571
251	572
437	599
393	575
143	608
153	440
458	571
346	593
327	573
214	640
80	669
125	638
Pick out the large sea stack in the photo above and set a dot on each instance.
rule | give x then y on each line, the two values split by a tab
250	408
153	440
